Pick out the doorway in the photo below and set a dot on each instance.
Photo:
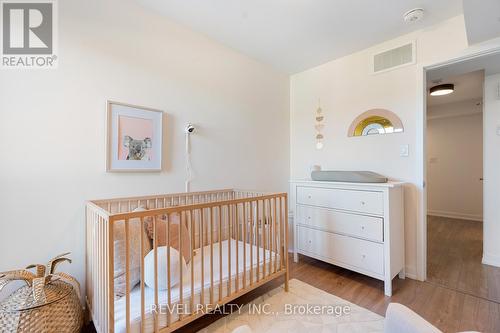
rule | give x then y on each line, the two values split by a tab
460	134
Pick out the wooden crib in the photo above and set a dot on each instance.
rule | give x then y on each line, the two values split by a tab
238	241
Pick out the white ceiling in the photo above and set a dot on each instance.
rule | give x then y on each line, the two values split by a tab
294	35
468	86
482	19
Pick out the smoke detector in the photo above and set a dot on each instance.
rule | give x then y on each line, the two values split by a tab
413	15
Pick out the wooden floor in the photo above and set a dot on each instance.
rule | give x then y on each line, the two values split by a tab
449	310
454	254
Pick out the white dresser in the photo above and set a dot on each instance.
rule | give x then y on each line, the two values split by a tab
357	226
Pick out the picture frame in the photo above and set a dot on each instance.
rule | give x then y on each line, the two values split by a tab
134	139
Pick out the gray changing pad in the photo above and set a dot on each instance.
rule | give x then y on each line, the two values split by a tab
348	176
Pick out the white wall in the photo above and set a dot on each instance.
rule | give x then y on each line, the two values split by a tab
455	160
346	89
491	229
52	123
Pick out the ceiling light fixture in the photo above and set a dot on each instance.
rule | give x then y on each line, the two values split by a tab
442	89
413	15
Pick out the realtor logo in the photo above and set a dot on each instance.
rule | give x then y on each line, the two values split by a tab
28	34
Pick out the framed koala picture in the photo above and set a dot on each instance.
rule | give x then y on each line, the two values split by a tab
134	138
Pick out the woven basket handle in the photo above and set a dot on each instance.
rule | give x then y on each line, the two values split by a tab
18	275
44	275
40	269
52	264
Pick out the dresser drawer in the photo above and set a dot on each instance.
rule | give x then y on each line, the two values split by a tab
368	227
359	201
354	252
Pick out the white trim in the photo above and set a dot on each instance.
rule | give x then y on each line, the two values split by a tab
491	260
455	215
458	59
484	49
420	149
412	276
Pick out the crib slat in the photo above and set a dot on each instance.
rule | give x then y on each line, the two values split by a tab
98	261
271	236
201	247
287	275
229	223
169	279
101	262
265	238
181	288
191	248
244	244
237	247
251	241
275	221
281	232
257	236
220	252
108	261
93	256
275	235
268	236
155	254
127	275
264	244
211	256
143	318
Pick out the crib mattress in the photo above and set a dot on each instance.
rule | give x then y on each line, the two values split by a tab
135	295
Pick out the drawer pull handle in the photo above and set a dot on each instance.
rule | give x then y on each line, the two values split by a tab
362	227
363	203
363	256
309	196
308	217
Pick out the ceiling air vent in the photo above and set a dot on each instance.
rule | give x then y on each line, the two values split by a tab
394	58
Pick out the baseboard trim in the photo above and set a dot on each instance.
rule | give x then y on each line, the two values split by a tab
491	260
411	273
411	276
454	215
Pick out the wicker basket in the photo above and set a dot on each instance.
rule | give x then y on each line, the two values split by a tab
49	303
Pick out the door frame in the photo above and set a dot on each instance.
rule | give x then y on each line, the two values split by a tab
421	150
